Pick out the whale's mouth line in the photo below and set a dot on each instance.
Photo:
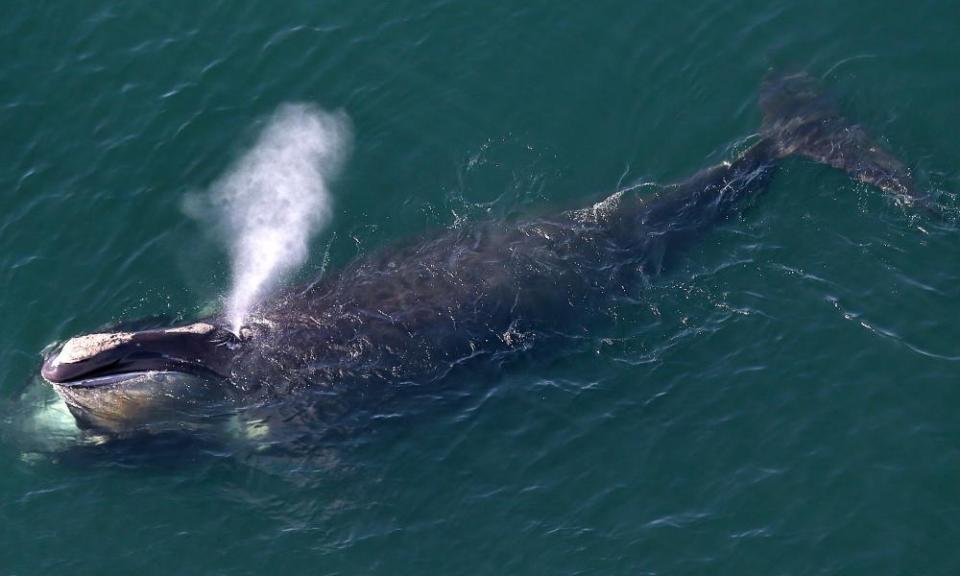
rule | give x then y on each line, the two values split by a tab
106	377
122	370
112	358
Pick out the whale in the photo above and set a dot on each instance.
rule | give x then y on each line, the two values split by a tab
415	312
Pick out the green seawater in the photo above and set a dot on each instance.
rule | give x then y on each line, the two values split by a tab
785	401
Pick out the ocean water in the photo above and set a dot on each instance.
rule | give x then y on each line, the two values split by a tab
785	401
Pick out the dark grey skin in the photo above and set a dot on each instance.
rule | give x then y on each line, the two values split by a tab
411	314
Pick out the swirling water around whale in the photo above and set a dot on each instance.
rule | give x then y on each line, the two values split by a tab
782	401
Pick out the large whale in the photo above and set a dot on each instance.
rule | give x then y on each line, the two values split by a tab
411	314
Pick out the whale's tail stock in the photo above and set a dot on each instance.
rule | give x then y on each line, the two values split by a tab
799	118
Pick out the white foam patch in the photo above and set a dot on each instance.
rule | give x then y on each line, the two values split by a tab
55	419
274	199
39	424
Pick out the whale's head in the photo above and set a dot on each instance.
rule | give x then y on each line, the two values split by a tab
131	380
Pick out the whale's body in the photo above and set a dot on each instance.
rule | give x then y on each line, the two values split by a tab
413	313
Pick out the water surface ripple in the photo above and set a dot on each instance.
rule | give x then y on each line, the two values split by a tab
783	402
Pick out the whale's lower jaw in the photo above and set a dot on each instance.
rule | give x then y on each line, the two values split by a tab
124	380
146	401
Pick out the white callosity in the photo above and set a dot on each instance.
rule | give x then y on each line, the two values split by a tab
89	345
195	328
